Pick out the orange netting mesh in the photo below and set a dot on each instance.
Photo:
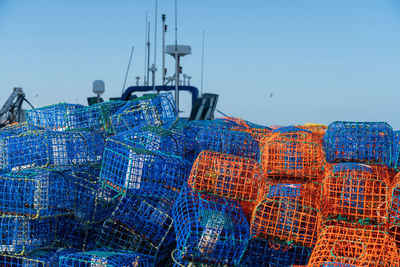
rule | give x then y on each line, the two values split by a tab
288	214
226	175
394	232
293	153
394	210
318	129
367	246
248	208
315	127
356	193
237	120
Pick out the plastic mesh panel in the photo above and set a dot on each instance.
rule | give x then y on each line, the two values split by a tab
366	142
96	116
226	175
394	211
157	110
179	142
214	125
318	129
257	133
50	148
248	208
336	264
23	235
33	193
105	258
285	215
73	233
267	253
18	128
57	117
294	154
229	142
209	229
141	225
239	121
367	246
142	172
396	150
357	193
39	258
93	200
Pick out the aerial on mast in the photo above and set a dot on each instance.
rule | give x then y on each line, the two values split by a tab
145	53
154	66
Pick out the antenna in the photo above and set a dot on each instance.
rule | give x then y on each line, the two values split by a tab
176	59
164	29
148	53
154	68
145	52
202	66
127	70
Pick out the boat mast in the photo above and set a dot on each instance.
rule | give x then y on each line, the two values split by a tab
148	53
145	52
176	59
202	66
164	29
153	67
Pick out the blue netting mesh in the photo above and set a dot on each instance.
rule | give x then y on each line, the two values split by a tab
35	192
367	142
19	128
40	258
284	190
158	110
132	170
290	129
337	264
96	116
22	235
49	148
351	166
73	233
55	117
209	229
267	253
394	212
93	200
229	142
214	125
186	137
64	116
396	150
139	224
105	257
179	142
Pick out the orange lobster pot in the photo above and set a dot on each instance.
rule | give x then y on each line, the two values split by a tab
293	153
366	246
356	192
287	213
227	176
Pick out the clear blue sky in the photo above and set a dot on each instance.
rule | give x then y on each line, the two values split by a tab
322	60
